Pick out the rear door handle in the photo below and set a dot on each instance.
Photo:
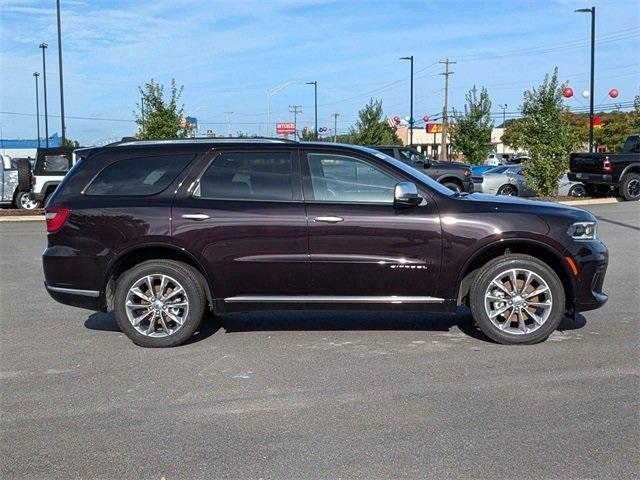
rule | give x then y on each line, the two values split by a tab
328	219
195	216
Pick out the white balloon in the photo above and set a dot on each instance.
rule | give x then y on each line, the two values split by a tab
585	94
407	118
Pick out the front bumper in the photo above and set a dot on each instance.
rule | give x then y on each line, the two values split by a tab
591	259
468	186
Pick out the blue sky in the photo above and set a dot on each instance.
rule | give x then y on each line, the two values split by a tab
228	54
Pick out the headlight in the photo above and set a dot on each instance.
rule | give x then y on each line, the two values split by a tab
467	172
582	231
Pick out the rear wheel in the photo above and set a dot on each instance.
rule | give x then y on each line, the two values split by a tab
517	299
630	186
24	202
508	190
159	303
24	174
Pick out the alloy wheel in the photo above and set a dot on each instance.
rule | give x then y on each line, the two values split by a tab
26	202
518	301
157	305
633	187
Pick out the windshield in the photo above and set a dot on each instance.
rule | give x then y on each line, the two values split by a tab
413	172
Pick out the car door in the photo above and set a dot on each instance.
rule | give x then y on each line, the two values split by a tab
245	220
360	246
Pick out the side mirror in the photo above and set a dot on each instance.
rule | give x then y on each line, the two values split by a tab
406	194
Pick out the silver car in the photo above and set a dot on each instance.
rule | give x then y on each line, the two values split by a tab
509	180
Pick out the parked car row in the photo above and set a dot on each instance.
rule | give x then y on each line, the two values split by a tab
510	180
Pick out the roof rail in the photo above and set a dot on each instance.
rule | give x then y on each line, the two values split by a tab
137	141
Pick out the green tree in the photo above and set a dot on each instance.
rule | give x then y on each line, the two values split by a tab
544	132
371	128
307	135
67	142
471	133
159	118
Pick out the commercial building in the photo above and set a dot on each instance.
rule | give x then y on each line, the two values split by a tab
430	141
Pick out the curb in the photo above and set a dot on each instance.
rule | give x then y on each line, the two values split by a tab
22	218
592	201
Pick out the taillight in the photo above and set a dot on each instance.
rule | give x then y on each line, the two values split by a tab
56	216
607	167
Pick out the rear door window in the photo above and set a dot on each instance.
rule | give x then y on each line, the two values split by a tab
138	176
248	176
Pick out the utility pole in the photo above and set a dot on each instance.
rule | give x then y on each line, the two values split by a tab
142	114
295	109
410	58
504	120
228	114
64	130
44	46
36	75
592	11
315	96
335	127
445	116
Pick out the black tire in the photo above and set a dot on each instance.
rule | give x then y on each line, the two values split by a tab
577	191
23	201
24	175
187	277
630	187
453	186
508	190
481	285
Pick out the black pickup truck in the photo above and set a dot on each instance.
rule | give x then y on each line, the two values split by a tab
453	175
609	171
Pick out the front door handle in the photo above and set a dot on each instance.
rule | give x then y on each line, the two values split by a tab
328	219
195	216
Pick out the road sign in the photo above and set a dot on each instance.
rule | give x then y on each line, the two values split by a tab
434	128
285	128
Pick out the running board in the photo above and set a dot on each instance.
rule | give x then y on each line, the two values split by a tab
329	299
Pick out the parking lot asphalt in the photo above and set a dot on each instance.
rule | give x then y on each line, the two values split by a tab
318	394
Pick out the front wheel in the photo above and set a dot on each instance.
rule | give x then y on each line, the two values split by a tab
453	186
517	299
159	303
577	190
630	187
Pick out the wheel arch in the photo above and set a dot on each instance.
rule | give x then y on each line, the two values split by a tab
631	168
451	178
155	251
536	249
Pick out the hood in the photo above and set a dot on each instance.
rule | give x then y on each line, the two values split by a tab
451	165
538	207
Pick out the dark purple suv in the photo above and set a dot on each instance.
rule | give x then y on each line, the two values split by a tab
159	231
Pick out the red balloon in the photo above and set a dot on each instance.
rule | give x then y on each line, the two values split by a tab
425	118
613	93
396	119
567	92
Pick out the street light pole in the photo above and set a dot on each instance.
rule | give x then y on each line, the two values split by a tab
592	11
44	46
315	96
410	58
64	130
35	76
504	120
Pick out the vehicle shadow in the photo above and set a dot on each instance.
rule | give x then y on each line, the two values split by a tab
330	320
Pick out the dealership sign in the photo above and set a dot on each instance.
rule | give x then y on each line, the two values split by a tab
434	128
285	128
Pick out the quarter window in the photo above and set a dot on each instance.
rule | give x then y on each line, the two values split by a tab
138	176
339	178
248	176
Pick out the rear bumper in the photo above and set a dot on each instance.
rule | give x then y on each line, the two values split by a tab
89	299
599	178
592	259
